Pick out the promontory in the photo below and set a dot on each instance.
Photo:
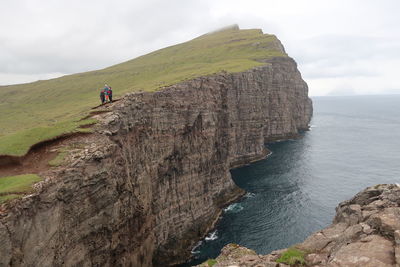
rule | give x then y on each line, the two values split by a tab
137	182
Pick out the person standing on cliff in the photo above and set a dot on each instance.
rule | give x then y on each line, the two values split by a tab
109	93
102	96
106	94
106	88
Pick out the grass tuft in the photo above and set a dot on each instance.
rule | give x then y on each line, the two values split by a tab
211	262
18	184
292	256
14	186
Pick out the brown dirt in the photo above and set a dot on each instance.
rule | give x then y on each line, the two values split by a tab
37	159
107	103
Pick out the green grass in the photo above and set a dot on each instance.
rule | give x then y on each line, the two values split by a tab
292	256
58	160
211	262
14	186
8	197
18	143
30	110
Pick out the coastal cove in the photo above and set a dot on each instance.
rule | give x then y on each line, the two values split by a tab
352	144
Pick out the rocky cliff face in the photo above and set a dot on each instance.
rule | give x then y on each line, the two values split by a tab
365	232
153	177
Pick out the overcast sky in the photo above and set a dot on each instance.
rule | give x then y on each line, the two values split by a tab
342	47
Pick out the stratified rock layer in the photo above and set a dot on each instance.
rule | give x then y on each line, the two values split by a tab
154	176
365	232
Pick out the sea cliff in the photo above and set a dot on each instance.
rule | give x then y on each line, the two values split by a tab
152	178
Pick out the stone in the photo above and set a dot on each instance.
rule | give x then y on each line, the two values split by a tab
315	242
397	255
350	214
386	221
316	259
366	228
351	233
375	253
397	237
377	204
334	230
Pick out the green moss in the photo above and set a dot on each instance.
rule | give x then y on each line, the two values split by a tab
18	184
292	256
211	262
37	111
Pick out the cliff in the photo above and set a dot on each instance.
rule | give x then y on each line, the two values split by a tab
39	111
152	178
364	232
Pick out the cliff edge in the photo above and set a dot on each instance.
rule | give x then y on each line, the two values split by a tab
152	177
364	232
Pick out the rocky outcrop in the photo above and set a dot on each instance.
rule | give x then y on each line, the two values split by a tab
153	177
365	232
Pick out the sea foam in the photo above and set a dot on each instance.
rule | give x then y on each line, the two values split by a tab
234	208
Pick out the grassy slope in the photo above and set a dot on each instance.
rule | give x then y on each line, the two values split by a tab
66	99
14	186
17	144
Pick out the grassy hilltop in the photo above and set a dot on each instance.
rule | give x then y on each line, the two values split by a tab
41	110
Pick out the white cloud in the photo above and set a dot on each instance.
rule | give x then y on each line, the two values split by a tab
342	47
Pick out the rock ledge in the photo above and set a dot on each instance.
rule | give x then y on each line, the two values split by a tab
365	232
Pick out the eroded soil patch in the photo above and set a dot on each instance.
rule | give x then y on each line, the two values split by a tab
37	159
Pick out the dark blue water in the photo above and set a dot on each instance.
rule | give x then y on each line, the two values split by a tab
353	143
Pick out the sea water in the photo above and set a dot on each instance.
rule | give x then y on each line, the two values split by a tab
354	142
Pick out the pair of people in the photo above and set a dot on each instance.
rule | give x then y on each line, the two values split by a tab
106	94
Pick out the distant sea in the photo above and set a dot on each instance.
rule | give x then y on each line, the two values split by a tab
354	142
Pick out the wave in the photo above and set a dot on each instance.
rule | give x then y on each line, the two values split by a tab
212	236
194	249
249	195
234	208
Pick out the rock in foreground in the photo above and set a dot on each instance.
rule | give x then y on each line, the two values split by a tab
365	232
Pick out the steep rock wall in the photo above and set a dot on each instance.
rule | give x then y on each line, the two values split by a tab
154	176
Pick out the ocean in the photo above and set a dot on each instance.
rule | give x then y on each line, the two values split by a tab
353	143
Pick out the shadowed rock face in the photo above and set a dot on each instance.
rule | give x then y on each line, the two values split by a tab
365	232
154	176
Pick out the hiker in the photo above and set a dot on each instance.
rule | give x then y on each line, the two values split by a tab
102	96
109	93
106	92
